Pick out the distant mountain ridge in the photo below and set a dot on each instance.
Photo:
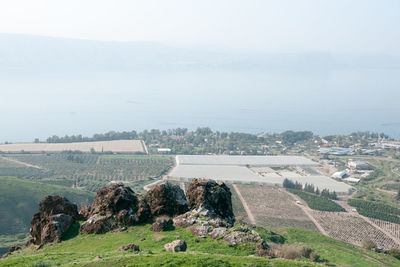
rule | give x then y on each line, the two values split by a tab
52	54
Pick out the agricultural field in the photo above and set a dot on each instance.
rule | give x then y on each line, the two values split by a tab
351	228
273	208
271	170
317	202
125	146
392	228
84	170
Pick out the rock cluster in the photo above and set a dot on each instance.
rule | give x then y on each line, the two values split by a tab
114	206
206	210
56	214
167	199
211	196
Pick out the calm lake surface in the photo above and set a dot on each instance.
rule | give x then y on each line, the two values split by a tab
325	102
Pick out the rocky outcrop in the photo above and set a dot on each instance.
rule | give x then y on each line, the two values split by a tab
167	199
211	215
162	223
114	206
56	214
211	196
176	246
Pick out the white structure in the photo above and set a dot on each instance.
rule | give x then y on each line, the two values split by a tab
264	161
339	175
164	150
352	180
243	169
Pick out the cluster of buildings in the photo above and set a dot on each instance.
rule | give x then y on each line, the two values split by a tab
354	167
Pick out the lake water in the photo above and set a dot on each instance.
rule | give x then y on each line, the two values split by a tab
325	102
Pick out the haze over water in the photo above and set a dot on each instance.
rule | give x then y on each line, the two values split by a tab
227	100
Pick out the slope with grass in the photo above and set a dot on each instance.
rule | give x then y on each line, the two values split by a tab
19	200
101	250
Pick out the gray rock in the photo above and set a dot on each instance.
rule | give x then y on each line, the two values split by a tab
176	246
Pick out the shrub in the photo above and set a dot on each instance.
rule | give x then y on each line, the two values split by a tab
314	256
368	244
306	252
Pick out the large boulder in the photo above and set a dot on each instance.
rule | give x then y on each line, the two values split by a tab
176	246
114	206
167	199
56	214
214	197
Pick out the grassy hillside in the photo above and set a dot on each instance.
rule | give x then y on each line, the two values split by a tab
19	200
100	250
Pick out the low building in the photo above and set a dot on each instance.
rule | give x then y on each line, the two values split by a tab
358	165
352	180
164	150
339	175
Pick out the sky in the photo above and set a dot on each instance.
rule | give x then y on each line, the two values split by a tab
341	26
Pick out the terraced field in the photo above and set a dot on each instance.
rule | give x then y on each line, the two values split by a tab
351	228
272	207
392	228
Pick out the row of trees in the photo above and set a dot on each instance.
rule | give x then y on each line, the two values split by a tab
200	141
376	210
310	188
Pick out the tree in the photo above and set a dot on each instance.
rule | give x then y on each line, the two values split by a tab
398	195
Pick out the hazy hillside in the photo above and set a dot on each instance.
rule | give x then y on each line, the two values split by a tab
19	200
35	53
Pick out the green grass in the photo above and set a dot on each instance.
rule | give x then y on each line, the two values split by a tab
82	250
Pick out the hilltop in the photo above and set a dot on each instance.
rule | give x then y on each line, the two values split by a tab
122	228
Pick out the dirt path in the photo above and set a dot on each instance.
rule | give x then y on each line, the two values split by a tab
307	211
386	191
245	206
23	163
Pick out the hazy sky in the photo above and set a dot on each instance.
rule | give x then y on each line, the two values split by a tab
281	25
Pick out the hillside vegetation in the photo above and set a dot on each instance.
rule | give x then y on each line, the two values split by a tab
101	250
19	200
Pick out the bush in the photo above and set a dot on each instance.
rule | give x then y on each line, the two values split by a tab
314	256
306	252
368	244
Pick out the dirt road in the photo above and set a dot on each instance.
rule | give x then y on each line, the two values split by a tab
22	163
307	211
245	206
